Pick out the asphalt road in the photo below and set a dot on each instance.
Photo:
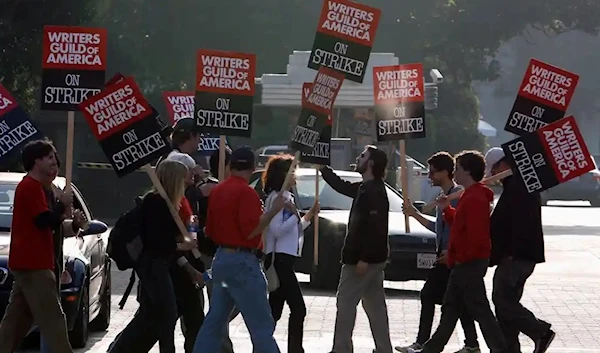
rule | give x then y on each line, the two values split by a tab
564	291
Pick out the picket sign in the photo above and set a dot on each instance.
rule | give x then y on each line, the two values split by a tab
157	184
455	195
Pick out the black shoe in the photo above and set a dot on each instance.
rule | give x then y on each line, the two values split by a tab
541	345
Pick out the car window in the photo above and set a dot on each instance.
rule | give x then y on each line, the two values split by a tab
330	199
79	203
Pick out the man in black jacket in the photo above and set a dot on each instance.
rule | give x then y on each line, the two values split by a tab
517	246
365	252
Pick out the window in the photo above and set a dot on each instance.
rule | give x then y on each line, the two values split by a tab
331	199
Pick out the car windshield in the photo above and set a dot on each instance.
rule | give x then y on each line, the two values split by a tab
330	199
7	197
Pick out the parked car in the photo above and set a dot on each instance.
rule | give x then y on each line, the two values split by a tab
411	255
264	153
585	187
85	284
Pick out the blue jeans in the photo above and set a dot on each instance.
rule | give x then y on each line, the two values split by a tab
44	347
238	280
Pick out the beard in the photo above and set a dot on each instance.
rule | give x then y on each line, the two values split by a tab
361	168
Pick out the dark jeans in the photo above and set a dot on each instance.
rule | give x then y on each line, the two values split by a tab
289	291
466	292
433	293
157	315
509	283
190	306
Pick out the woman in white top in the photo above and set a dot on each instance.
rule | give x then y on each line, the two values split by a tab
284	237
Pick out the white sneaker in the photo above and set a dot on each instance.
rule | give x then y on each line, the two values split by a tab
413	348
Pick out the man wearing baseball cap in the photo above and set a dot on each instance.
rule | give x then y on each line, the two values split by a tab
517	246
234	221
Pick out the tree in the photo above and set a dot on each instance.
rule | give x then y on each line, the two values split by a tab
21	29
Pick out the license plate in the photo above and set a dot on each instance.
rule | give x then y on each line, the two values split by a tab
426	260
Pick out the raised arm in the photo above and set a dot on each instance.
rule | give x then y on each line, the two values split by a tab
338	184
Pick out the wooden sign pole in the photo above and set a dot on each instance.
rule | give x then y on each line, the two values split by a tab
404	172
316	222
222	149
69	152
157	184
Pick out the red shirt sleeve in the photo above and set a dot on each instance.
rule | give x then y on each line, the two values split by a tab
250	211
449	214
32	195
185	211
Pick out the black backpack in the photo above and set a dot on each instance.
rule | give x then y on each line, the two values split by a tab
124	242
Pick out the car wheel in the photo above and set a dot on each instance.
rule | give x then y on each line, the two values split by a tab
102	321
79	335
327	274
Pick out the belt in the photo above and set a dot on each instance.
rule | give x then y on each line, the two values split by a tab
255	252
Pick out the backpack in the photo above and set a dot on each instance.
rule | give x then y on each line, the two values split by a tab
124	241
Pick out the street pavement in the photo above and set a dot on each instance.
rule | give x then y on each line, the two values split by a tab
564	291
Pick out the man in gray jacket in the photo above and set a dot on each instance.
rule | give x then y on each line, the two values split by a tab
441	173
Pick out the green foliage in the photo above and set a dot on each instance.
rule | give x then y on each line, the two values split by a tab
156	41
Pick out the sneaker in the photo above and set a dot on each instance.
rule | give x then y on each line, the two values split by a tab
469	350
541	345
415	347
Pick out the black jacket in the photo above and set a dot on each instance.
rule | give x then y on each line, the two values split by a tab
367	237
516	225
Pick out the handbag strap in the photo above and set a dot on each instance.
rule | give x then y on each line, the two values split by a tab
269	203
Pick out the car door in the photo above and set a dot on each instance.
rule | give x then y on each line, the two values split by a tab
92	247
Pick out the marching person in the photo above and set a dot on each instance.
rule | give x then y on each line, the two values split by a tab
365	252
234	221
283	245
34	297
517	246
156	318
205	244
468	256
441	173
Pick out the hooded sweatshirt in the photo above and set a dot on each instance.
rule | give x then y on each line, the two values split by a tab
470	225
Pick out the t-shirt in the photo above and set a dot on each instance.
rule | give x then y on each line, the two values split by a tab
31	248
185	211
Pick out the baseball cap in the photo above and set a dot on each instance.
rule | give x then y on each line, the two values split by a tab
493	156
183	158
242	158
185	125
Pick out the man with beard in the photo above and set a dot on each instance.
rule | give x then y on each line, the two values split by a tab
365	252
441	173
517	246
34	296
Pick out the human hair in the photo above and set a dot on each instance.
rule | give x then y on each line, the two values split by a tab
213	162
35	150
472	162
179	137
380	161
442	161
275	172
172	176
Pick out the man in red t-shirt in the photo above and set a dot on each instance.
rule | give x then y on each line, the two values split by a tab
34	297
234	221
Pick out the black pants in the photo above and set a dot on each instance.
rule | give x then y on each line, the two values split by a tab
289	291
189	306
466	292
433	293
509	283
157	315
